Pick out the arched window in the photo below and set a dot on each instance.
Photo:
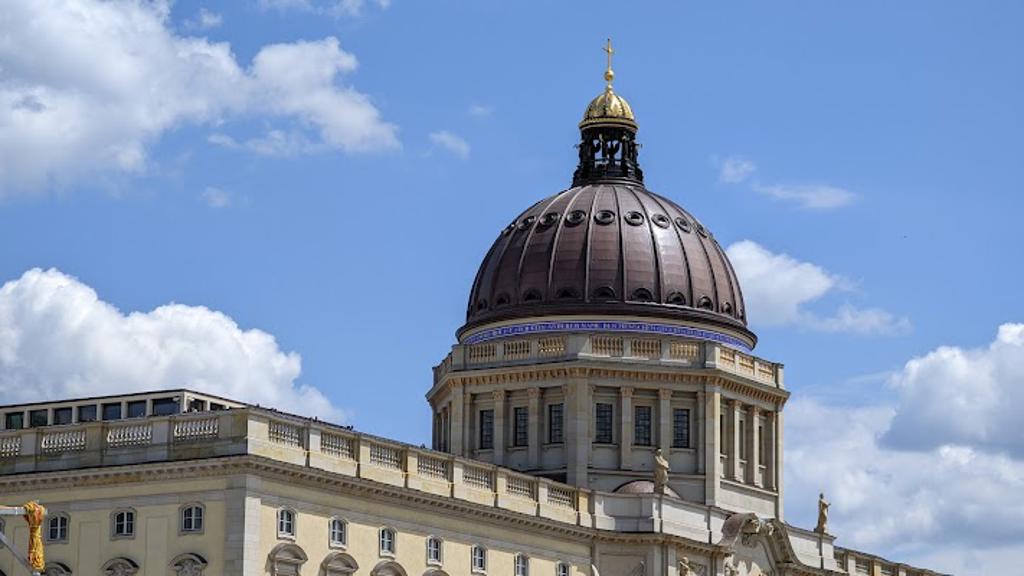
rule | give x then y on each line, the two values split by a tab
286	559
387	541
122	523
478	560
286	523
57	528
337	533
56	569
192	518
434	551
339	564
561	569
522	565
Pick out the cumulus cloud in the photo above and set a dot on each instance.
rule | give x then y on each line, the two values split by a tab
89	86
451	142
955	395
905	505
778	289
58	339
810	196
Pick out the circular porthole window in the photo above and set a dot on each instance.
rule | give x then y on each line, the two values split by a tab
604	217
634	218
660	220
575	217
683	224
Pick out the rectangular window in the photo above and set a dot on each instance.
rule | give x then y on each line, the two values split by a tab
603	424
555	424
642	426
58	529
434	550
521	426
760	444
743	441
215	407
14	421
87	413
137	409
38	418
681	428
486	429
62	415
112	411
196	405
165	406
721	435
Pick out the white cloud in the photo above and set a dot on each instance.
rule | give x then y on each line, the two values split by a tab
480	110
88	86
204	20
216	198
738	170
956	395
777	290
59	340
809	196
451	142
735	169
944	508
350	8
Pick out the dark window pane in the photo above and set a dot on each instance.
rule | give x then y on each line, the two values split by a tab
642	426
681	428
112	411
14	421
760	444
743	441
38	418
721	434
521	422
62	415
196	405
87	413
555	423
486	429
215	406
165	406
137	409
603	424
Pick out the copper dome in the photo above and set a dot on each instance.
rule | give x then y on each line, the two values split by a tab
607	248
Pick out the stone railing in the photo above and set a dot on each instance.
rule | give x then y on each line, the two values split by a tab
292	440
645	349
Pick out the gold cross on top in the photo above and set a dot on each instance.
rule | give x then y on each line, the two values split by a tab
608	74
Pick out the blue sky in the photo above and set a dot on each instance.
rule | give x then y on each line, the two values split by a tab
869	153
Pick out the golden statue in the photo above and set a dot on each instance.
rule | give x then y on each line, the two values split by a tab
823	505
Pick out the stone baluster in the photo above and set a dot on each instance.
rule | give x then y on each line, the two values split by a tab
626	431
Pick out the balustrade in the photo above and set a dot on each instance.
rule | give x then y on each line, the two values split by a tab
520	486
63	441
337	446
385	456
10	445
194	429
284	433
129	435
478	476
432	466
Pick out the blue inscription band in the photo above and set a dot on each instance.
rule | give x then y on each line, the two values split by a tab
606	326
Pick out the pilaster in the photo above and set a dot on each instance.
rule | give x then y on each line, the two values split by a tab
712	440
665	420
753	445
734	412
576	416
536	429
499	427
700	429
458	419
626	432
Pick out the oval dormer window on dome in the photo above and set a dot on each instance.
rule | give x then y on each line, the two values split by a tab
567	294
705	303
676	299
642	295
532	295
634	218
604	293
575	217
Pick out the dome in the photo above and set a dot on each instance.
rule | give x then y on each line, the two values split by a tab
608	246
608	108
642	487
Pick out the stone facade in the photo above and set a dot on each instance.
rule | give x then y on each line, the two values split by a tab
244	467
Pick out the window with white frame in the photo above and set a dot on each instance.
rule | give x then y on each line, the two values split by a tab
57	528
192	518
522	565
337	533
387	541
286	523
433	550
478	557
122	524
561	569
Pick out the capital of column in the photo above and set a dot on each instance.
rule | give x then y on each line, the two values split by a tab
755	410
498	395
665	393
533	393
626	391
